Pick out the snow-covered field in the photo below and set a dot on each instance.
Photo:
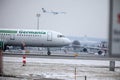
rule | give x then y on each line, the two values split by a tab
61	69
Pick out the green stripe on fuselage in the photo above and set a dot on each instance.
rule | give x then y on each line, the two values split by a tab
8	31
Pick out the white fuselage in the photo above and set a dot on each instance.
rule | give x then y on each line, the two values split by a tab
38	38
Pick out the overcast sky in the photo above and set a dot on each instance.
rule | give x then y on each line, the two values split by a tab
83	17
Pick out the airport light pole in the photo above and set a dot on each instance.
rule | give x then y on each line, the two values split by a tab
38	15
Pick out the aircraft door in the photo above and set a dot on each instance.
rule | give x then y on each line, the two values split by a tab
12	36
49	36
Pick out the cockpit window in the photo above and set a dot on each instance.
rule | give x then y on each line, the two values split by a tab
60	36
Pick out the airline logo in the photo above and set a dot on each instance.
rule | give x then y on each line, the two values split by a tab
22	32
32	32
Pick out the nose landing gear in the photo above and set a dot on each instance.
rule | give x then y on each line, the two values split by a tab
48	53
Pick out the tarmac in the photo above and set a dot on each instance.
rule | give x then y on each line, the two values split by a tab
59	67
9	78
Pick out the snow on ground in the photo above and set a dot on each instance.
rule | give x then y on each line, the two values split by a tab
61	68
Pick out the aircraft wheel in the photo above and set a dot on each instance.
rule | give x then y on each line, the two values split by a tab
49	53
85	50
100	52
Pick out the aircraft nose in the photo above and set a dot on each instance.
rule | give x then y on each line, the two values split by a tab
68	41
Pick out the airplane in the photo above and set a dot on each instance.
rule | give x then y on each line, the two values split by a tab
89	45
55	13
99	47
33	38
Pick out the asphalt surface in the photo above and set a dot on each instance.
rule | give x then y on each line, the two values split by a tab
57	56
65	56
10	78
